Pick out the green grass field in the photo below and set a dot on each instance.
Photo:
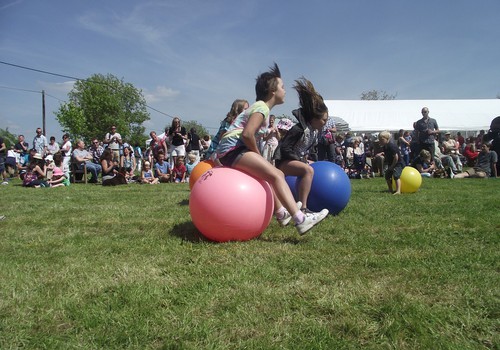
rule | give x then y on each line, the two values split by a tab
90	267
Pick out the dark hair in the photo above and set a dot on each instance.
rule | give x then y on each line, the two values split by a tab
312	104
106	155
267	82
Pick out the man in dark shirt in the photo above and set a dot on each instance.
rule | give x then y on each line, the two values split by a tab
427	129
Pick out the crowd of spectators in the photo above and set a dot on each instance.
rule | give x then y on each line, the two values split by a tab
109	161
171	156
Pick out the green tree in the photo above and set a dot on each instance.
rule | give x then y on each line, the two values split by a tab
377	95
200	129
9	138
100	101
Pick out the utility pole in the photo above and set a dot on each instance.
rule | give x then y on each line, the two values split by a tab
43	112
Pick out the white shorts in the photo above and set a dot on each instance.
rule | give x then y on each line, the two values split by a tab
178	151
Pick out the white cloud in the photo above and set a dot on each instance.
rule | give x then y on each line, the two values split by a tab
159	94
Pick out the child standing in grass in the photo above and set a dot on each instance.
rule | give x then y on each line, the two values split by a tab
393	157
238	149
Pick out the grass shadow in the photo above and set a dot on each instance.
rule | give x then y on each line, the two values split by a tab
188	232
184	202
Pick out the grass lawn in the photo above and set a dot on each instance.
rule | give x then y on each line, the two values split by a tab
90	267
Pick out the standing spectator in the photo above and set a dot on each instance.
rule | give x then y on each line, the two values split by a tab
404	142
22	148
82	156
113	140
156	145
493	136
66	149
53	146
326	142
178	136
271	139
40	142
194	143
427	129
3	158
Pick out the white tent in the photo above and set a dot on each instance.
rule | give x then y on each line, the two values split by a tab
392	115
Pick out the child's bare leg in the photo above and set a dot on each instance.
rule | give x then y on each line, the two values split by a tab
253	164
305	172
389	186
398	186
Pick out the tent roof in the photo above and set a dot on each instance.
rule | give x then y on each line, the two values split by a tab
378	115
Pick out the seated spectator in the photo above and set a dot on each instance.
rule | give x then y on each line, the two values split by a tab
192	162
424	163
378	161
206	142
53	146
58	177
162	169
36	172
356	159
443	161
339	150
83	157
110	174
179	171
452	148
147	175
485	164
127	163
96	150
471	153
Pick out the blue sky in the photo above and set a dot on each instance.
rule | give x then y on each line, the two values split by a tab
192	58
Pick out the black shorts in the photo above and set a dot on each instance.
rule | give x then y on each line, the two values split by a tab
395	173
231	157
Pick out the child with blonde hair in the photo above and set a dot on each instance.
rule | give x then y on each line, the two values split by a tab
394	159
148	175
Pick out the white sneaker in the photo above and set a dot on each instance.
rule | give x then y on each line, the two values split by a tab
287	217
310	220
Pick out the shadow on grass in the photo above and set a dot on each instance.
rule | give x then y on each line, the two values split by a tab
184	202
188	232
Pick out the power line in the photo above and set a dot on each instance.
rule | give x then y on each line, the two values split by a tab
69	77
39	71
19	89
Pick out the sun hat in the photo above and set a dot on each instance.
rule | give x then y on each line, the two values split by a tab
37	156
